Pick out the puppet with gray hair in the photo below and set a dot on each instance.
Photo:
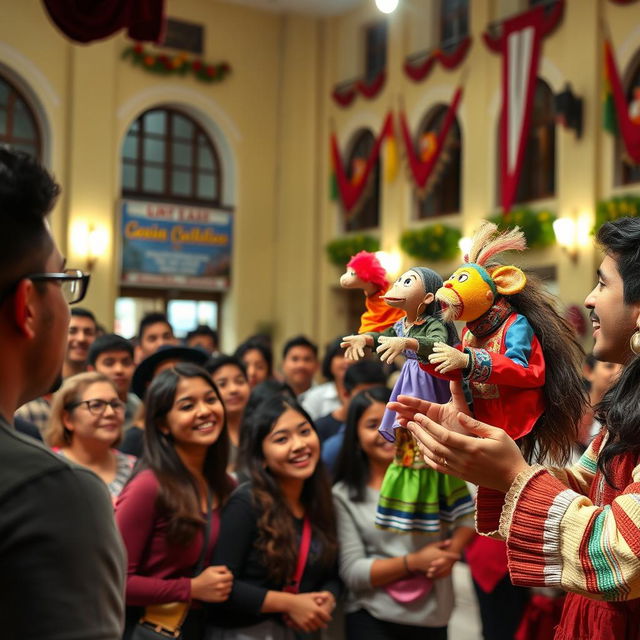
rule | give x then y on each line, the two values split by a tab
409	496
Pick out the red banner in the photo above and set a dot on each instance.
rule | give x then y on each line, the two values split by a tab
345	97
420	71
350	193
422	170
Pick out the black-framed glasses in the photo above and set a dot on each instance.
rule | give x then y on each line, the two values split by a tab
73	283
97	407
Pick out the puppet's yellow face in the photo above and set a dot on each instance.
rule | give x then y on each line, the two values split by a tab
465	295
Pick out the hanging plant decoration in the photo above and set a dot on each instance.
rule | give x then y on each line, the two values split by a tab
341	250
617	207
431	243
537	226
180	64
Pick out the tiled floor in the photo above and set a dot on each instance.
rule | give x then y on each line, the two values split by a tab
465	621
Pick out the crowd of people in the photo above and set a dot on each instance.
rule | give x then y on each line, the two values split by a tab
245	495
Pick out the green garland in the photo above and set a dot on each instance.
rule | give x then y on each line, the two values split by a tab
341	250
431	243
180	64
537	226
616	207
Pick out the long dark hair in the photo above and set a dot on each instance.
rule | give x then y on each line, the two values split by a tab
178	497
565	399
352	466
277	535
619	410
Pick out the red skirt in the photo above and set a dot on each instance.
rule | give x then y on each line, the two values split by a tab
585	619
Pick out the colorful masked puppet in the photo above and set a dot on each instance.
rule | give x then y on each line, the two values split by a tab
365	272
411	494
519	356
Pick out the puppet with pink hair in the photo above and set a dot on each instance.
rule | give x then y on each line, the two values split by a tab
365	272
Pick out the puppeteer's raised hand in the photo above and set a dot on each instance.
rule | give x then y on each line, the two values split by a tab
448	358
355	345
390	348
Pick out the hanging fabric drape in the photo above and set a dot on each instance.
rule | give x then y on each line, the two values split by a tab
520	44
88	20
418	72
629	130
350	192
346	96
422	170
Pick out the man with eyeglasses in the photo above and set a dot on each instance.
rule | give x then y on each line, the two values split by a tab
61	558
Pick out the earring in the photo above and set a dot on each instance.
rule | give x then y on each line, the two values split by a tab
634	342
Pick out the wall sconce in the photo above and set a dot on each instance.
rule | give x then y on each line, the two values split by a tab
566	232
568	108
464	244
89	242
390	261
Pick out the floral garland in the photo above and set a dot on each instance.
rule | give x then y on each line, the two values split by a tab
431	243
537	226
617	207
180	64
341	250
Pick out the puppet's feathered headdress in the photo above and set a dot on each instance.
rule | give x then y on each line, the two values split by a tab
488	242
368	268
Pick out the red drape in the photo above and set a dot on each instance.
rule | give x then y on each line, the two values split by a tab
422	170
448	61
350	193
345	97
88	20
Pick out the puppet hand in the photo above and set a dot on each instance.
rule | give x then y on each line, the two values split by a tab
354	346
390	348
448	358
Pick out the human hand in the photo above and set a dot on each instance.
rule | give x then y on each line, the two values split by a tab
448	358
390	348
309	611
491	459
441	567
435	552
354	346
406	407
212	585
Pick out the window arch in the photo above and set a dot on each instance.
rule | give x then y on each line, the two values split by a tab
18	125
367	215
625	172
167	155
444	196
538	173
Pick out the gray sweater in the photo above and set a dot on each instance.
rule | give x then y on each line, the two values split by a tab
361	542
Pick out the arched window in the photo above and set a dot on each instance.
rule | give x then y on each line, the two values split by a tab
367	214
168	156
18	125
625	171
538	173
444	193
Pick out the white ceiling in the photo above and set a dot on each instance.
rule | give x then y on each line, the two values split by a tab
311	7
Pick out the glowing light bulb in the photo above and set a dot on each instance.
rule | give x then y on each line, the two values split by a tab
387	6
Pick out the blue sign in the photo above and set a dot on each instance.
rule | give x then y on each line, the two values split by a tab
168	245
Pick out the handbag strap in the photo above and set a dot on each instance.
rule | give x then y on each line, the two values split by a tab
207	534
303	554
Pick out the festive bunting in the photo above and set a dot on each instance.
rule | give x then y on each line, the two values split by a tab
418	72
422	166
350	190
622	117
345	96
520	46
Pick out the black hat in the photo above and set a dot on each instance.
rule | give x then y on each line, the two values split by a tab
143	374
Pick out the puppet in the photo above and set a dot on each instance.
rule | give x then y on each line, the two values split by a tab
411	494
365	272
519	356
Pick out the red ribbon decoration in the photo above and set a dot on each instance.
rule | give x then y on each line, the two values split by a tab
629	131
345	97
350	193
418	72
419	169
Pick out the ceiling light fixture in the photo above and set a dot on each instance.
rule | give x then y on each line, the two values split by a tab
387	6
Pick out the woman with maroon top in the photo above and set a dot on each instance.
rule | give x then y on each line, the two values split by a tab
162	511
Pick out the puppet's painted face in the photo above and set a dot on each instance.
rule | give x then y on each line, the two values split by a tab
465	295
350	280
407	293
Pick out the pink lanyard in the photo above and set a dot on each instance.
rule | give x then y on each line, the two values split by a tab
303	554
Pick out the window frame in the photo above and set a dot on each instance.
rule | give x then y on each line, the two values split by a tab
8	138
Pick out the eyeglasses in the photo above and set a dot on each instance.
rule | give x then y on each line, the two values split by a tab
98	407
73	283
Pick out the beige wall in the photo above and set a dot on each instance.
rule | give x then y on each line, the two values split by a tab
271	119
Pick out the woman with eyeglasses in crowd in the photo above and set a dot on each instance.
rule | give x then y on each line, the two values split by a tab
86	423
174	499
